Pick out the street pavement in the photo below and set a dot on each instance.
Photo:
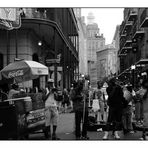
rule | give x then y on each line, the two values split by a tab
65	131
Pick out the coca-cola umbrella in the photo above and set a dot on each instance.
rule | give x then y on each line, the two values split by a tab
23	70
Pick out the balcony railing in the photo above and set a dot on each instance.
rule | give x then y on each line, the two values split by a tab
47	15
122	27
122	42
128	41
132	14
135	27
125	44
144	18
125	50
127	27
138	32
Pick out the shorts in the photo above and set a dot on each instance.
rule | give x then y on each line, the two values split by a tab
51	116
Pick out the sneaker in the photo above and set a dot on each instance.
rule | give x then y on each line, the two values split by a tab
105	137
116	136
141	138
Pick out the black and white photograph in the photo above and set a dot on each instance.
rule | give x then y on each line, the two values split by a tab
73	73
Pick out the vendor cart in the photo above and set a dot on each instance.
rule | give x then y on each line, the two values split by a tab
19	118
23	114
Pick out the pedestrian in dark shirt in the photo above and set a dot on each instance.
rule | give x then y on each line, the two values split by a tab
115	103
65	102
80	106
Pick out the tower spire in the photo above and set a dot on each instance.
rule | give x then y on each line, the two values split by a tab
90	18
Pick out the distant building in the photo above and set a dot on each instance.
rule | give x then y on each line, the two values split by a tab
95	42
116	41
83	65
106	63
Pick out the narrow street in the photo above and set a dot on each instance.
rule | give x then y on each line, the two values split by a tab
65	131
87	59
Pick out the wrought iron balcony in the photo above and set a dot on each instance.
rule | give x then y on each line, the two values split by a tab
126	27
122	26
144	18
122	42
122	54
123	35
125	50
132	14
138	34
126	45
128	41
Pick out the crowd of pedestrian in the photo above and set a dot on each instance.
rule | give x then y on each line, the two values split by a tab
116	105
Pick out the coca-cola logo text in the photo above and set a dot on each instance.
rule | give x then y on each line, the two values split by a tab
13	74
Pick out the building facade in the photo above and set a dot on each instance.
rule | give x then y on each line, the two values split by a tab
58	40
83	65
116	40
133	44
106	63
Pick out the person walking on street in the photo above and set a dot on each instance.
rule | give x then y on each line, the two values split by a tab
65	102
51	111
100	96
127	111
115	103
80	106
139	105
143	95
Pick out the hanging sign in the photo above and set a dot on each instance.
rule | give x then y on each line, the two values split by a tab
10	18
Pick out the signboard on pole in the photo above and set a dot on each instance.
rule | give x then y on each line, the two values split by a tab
52	61
10	18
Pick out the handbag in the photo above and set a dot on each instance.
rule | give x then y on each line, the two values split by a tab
95	105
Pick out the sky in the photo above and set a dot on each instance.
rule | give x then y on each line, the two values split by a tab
107	20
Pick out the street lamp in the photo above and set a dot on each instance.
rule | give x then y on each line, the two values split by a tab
39	43
144	74
133	67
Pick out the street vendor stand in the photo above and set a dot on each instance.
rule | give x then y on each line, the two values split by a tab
24	113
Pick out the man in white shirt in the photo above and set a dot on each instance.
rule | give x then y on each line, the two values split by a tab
51	111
